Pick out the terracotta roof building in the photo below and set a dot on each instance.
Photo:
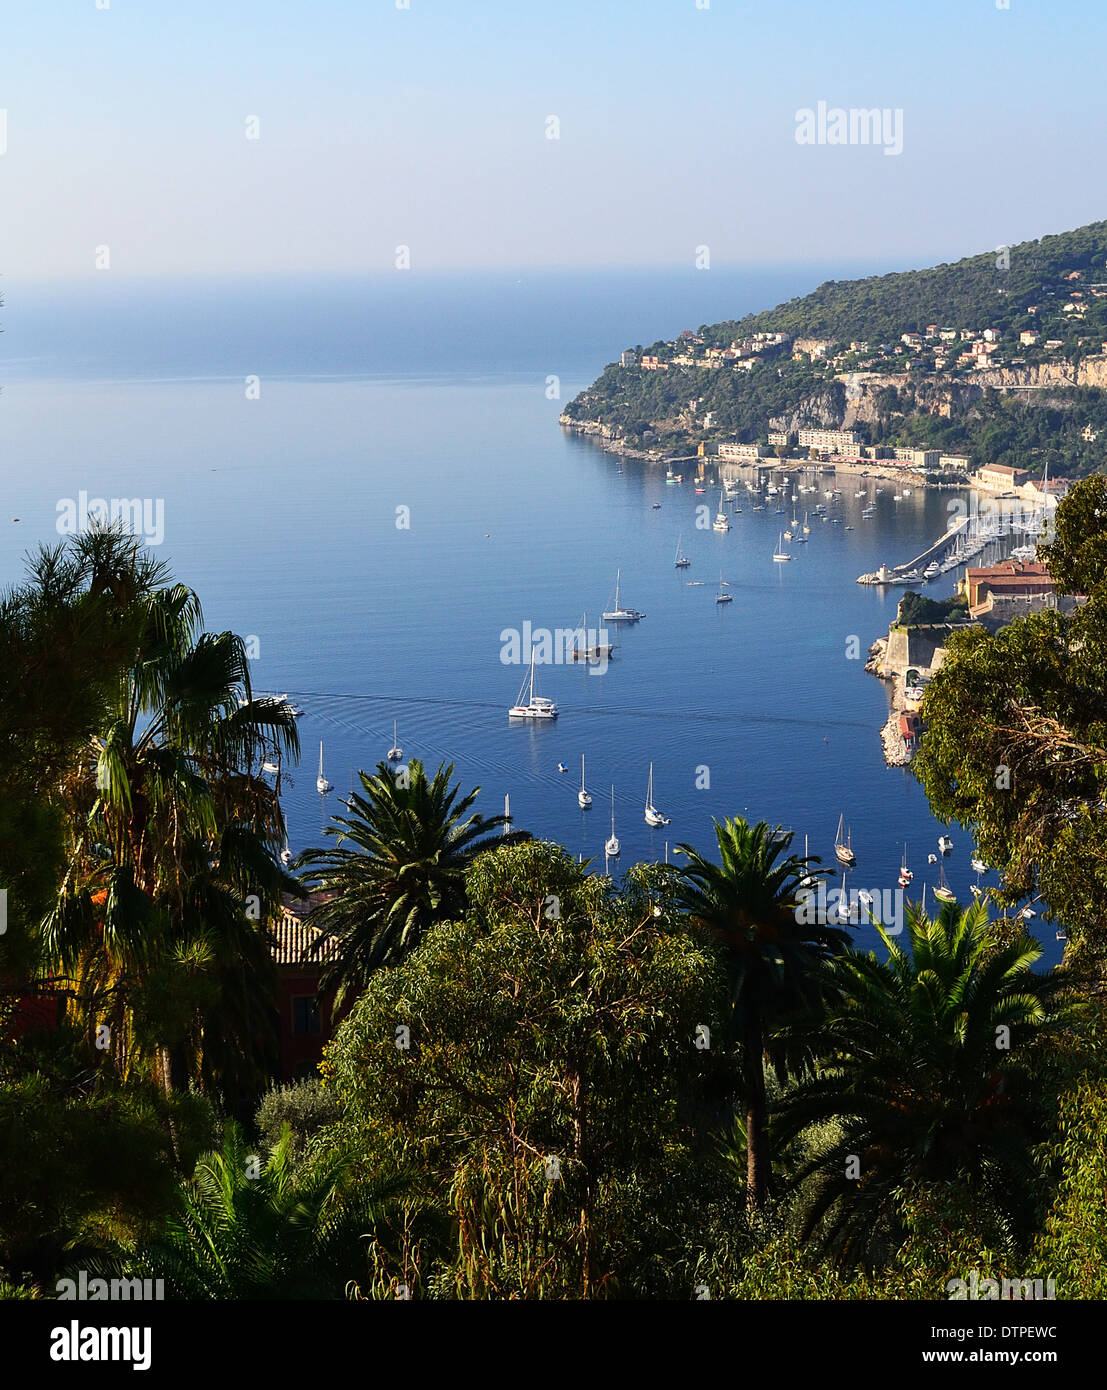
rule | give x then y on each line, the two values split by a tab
1009	579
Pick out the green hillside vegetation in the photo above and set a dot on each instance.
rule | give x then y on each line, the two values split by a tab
651	409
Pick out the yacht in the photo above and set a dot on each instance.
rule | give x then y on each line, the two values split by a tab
905	874
619	614
682	561
843	848
611	848
780	554
535	706
722	521
944	893
945	844
978	864
322	786
395	753
653	815
584	798
722	597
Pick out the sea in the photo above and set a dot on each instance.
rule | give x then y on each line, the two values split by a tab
366	478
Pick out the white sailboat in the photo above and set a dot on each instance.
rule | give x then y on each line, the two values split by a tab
286	853
395	753
844	848
322	786
905	874
653	815
721	596
619	614
535	707
722	521
584	797
611	848
943	891
682	561
780	554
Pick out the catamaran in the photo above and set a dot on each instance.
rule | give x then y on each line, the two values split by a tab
535	706
780	554
584	798
682	561
611	848
322	786
722	521
395	753
619	614
653	815
844	848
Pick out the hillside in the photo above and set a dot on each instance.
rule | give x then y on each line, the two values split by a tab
999	357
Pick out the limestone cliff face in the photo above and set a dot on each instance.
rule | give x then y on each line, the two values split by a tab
821	410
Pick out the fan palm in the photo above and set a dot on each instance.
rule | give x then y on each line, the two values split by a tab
749	903
921	1082
174	831
397	867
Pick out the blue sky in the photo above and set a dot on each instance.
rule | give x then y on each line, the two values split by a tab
426	127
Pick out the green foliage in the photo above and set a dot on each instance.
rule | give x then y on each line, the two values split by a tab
305	1108
411	840
922	1087
1017	733
248	1228
544	1086
916	610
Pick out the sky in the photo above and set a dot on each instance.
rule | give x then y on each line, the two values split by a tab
427	127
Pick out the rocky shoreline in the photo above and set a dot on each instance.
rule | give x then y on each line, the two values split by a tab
896	751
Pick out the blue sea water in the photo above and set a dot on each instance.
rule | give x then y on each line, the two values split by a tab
282	512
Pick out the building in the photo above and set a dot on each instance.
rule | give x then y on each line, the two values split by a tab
747	452
957	462
628	358
1000	477
654	364
992	335
781	437
307	1018
1008	580
834	441
921	458
910	727
1029	338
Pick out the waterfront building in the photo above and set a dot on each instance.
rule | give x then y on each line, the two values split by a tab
1009	579
833	441
1001	477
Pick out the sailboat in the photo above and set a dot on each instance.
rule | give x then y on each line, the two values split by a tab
395	753
682	561
322	786
584	798
611	848
844	848
653	815
722	597
943	891
286	853
780	554
905	874
536	707
843	903
619	614
806	524
722	521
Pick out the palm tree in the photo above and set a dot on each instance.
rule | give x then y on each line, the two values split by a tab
173	833
749	903
921	1082
412	841
278	1229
